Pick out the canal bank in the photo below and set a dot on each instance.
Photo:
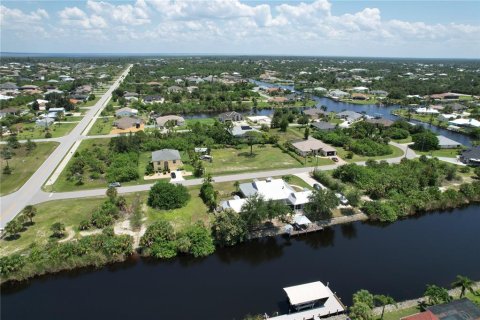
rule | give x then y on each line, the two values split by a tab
396	259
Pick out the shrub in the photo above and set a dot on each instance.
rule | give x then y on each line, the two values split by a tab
167	196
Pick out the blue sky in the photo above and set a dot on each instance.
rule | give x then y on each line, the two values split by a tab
321	27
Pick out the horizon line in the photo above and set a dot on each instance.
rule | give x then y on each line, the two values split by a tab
146	54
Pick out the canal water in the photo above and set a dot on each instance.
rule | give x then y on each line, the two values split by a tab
337	106
397	259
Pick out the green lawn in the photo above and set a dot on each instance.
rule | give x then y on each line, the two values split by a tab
371	100
69	212
406	140
92	102
24	164
72	211
395	315
342	153
230	160
449	153
102	126
194	211
32	131
208	121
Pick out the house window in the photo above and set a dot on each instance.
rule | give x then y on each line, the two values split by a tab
174	161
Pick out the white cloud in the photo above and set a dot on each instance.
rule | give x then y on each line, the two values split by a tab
240	26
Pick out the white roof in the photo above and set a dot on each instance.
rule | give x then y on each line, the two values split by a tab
276	189
235	204
4	97
426	110
466	122
307	292
301	197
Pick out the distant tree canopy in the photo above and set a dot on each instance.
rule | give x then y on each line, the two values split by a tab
165	195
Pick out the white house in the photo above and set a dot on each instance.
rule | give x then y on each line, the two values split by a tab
447	143
424	110
269	189
472	123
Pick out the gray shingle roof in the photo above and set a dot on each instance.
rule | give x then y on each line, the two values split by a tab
165	155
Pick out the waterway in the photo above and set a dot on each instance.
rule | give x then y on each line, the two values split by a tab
337	106
397	259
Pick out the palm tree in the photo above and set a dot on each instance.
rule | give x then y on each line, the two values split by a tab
30	212
383	300
464	283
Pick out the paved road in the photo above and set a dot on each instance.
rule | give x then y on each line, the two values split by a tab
13	203
44	196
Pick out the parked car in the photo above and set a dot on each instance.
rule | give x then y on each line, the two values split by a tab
173	175
335	159
317	186
114	184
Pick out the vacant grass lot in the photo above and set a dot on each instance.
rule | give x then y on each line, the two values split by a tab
69	212
32	131
448	153
207	121
230	160
342	153
102	126
194	211
23	164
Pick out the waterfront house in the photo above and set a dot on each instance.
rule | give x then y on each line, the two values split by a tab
241	130
338	94
323	126
471	156
350	116
469	123
424	110
126	112
448	117
379	93
166	159
380	122
447	143
269	189
230	116
456	309
174	120
315	113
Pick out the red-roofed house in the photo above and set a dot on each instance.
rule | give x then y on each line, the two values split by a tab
427	315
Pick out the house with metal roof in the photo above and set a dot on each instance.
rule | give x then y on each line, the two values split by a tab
471	156
166	160
447	143
230	116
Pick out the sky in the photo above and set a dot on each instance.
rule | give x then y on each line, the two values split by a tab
426	29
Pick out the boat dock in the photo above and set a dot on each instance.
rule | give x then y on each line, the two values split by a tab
312	300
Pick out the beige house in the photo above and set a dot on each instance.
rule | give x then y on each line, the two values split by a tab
166	159
313	146
174	120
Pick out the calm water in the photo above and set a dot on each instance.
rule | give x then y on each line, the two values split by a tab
398	259
336	106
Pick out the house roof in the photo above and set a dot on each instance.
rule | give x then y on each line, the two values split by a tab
312	144
126	109
161	121
302	220
234	204
302	197
307	292
382	121
165	155
323	125
314	112
444	141
350	114
153	98
127	122
229	115
270	189
456	309
472	153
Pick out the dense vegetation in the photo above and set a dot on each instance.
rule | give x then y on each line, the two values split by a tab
406	188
